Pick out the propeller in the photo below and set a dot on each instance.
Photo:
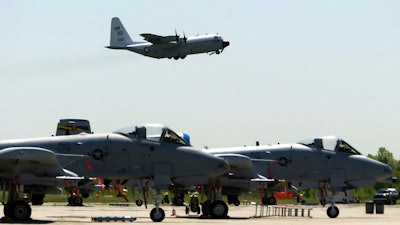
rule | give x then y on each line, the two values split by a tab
184	37
176	37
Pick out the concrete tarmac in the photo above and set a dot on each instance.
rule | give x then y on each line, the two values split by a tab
351	214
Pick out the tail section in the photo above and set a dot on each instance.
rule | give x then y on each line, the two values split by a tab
119	37
73	126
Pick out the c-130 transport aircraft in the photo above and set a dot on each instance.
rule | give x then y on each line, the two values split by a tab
172	46
36	166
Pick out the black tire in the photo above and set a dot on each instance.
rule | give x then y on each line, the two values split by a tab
20	211
264	200
205	208
219	209
85	195
271	200
7	210
75	201
178	201
332	211
157	216
139	202
37	199
233	199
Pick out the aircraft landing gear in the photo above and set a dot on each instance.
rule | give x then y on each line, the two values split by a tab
269	200
18	210
157	214
214	207
219	209
139	202
75	200
178	198
233	199
37	199
332	211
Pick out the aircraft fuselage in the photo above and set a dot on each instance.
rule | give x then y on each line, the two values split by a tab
193	45
115	155
307	167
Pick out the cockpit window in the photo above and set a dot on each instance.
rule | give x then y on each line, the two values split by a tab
171	137
330	143
154	132
345	147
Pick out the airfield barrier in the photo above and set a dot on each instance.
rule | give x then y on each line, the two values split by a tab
281	210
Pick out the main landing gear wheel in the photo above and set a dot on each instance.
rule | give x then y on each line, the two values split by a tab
7	210
233	199
218	209
75	200
18	210
157	215
332	211
139	202
37	199
269	200
178	201
205	208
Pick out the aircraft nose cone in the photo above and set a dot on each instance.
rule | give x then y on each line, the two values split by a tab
387	173
225	44
384	172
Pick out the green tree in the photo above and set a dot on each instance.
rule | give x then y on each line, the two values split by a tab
386	157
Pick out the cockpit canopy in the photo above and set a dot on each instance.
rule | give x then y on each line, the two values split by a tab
330	143
155	132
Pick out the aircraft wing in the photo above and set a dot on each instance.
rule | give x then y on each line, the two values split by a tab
159	40
32	165
241	165
261	178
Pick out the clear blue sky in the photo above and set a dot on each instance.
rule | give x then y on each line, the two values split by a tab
294	70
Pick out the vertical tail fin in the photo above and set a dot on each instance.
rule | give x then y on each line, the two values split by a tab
73	126
119	37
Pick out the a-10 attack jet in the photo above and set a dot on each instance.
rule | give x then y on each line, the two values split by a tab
327	163
172	46
37	166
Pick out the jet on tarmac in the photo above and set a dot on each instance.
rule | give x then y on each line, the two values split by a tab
36	166
325	163
173	46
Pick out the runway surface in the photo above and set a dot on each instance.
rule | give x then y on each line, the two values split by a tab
349	214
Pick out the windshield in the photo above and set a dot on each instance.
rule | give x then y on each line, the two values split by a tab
345	147
330	143
154	132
